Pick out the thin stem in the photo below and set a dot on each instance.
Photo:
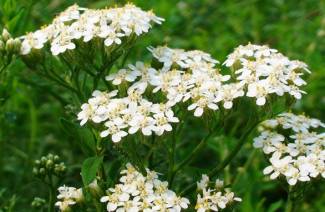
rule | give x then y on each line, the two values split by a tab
233	153
171	172
192	155
290	205
227	160
51	195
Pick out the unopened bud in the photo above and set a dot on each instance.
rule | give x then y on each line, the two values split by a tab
2	45
35	171
43	160
42	171
50	156
49	164
17	43
10	45
56	158
94	187
5	35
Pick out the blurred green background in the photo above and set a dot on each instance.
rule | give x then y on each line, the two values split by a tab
30	114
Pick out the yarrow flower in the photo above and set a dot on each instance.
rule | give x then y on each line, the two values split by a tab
297	151
67	197
213	199
185	76
128	115
111	25
136	192
264	71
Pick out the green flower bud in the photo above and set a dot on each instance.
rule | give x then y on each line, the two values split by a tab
5	35
10	45
37	162
56	158
49	164
43	160
38	202
50	156
2	46
35	171
17	43
42	171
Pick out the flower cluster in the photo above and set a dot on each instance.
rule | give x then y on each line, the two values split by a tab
191	76
136	192
9	46
265	71
67	197
76	23
184	76
215	198
298	152
128	115
49	165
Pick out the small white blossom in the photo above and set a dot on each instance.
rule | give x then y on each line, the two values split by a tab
213	199
136	192
67	197
297	155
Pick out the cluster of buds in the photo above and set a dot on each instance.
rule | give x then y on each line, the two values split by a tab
38	202
49	165
8	48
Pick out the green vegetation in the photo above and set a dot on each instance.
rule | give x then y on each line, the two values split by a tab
38	117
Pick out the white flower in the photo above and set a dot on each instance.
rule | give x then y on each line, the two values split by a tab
62	43
85	24
142	193
123	75
34	40
299	155
114	129
201	104
67	197
213	200
163	122
264	71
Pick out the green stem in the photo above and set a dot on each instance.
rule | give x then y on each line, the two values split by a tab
289	205
192	155
233	153
227	160
51	195
171	173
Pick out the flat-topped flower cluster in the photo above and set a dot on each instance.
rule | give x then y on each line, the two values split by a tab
136	192
265	71
188	77
298	151
76	23
128	115
213	199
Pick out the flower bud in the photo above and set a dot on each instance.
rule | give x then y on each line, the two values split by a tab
17	44
38	202
35	171
49	164
56	158
2	46
42	171
94	187
5	35
10	45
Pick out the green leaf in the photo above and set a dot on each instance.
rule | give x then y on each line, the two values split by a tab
275	206
89	169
